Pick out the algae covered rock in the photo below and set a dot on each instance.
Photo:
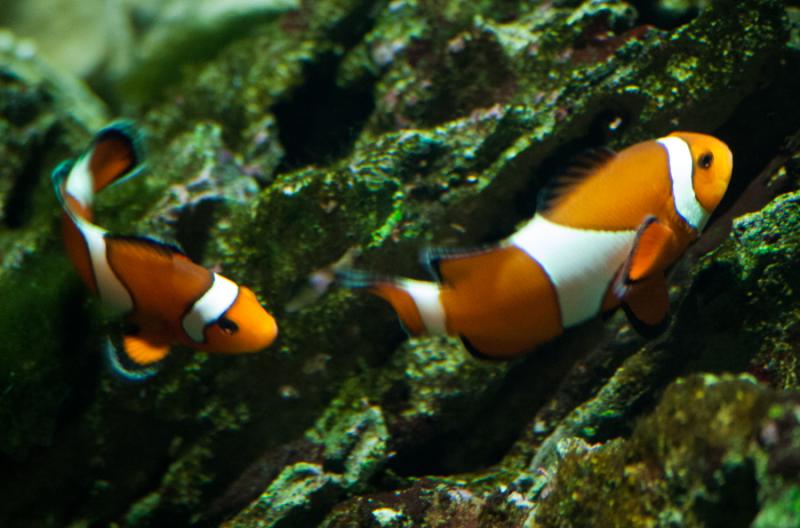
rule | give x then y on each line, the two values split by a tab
695	461
44	116
357	132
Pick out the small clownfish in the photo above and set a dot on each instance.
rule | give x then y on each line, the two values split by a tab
165	298
603	236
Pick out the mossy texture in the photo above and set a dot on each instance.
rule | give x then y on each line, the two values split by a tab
690	463
361	131
43	116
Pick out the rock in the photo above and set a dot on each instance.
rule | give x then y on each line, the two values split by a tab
694	462
364	130
44	116
133	48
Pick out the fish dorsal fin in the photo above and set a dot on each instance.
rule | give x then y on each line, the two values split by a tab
582	166
115	154
159	247
448	264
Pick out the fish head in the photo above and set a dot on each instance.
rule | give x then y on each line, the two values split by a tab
713	165
244	327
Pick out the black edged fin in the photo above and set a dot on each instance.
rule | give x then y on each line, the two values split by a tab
122	366
647	306
648	257
583	165
431	257
646	330
124	134
162	248
59	179
477	354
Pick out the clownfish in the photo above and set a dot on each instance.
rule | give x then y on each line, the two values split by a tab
165	298
603	236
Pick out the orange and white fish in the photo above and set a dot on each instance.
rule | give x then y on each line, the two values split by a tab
165	298
603	236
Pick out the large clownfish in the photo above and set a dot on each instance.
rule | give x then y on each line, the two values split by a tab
165	298
603	236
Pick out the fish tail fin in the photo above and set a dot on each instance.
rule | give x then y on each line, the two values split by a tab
393	290
122	366
114	155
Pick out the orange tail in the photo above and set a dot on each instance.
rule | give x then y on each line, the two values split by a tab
113	155
389	288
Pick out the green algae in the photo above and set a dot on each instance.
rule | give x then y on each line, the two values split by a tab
33	387
470	99
759	260
43	114
680	465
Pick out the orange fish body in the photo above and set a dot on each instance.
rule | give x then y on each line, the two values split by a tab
165	298
603	237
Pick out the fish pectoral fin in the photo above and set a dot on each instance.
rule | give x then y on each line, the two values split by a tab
143	352
647	305
648	257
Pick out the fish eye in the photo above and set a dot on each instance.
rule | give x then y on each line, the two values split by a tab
227	326
705	160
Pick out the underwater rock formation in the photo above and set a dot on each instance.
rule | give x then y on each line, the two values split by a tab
44	116
365	130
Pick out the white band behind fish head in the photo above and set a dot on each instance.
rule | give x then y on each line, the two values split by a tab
426	297
580	263
681	170
210	307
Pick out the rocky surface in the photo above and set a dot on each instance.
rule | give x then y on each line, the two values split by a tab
367	129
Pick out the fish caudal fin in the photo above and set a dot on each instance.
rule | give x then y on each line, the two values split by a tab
124	366
402	294
116	154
